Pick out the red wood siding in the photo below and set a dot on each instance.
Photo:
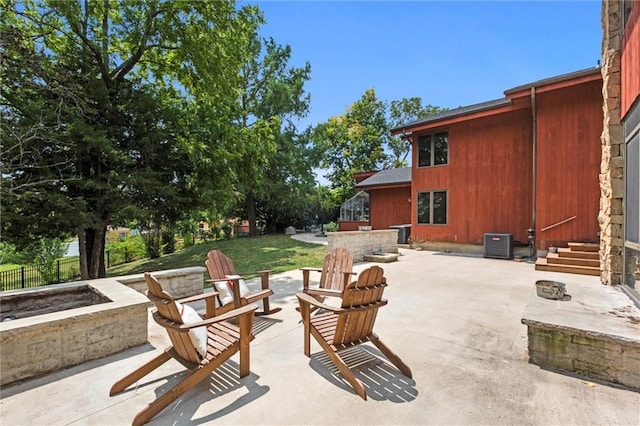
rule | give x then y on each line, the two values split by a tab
390	206
568	151
349	225
488	179
630	61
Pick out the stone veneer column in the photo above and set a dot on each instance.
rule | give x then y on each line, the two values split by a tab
612	140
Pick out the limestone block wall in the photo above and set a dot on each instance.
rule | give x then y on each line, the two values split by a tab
610	217
179	283
612	360
360	243
41	344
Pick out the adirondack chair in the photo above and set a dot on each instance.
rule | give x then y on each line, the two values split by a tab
221	340
335	274
225	279
336	329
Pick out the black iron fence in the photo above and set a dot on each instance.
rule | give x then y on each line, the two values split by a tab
64	270
67	269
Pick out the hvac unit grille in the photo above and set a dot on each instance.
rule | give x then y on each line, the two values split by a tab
498	246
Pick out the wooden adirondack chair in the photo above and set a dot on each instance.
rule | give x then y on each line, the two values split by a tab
336	329
337	269
223	340
222	271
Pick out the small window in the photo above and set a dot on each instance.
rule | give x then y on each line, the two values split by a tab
433	149
356	208
432	207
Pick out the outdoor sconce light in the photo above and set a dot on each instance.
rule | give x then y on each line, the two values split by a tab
409	199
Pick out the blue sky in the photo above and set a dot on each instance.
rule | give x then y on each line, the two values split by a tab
450	54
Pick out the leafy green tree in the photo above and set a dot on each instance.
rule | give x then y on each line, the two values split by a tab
43	254
112	108
359	140
354	142
402	112
270	162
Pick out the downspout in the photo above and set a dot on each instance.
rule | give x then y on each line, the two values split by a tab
534	119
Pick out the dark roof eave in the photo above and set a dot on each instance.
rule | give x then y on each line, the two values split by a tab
453	113
556	79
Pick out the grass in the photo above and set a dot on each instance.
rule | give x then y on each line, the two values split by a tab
278	253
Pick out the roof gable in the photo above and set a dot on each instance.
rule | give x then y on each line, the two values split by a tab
388	177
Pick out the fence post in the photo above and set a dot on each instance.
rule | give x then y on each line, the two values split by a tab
58	282
126	255
108	259
22	275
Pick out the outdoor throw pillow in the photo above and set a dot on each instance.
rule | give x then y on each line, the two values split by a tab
225	290
198	335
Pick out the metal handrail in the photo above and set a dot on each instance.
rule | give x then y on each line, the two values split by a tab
557	224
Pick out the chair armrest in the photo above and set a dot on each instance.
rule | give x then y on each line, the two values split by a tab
306	298
323	292
310	269
243	310
197	297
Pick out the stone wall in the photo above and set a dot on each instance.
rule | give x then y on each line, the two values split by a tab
179	283
41	344
360	243
610	217
611	360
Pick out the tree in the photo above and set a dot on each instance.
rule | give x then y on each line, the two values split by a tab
354	142
402	112
270	160
110	106
359	140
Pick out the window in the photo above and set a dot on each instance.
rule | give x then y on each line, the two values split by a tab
433	150
432	207
631	252
356	208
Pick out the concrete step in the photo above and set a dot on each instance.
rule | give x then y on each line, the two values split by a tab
584	247
556	259
567	252
543	265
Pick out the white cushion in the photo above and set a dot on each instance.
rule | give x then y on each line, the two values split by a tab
225	290
198	335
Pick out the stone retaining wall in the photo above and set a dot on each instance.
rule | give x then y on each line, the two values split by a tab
594	334
360	243
44	343
179	283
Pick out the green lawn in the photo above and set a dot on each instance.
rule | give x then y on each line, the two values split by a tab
277	253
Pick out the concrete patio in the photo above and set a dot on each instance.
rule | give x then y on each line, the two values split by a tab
455	320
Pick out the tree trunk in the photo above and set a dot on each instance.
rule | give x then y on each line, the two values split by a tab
82	251
93	256
251	215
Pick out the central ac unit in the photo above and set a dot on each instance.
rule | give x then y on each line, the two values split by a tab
498	246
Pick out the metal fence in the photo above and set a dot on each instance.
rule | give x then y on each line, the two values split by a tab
67	269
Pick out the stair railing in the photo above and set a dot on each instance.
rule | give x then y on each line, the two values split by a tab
569	219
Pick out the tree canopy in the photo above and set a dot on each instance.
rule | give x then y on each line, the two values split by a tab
113	106
360	139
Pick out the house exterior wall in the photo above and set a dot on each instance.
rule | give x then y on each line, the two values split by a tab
488	180
569	122
390	206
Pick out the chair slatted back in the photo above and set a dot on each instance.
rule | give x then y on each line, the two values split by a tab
362	299
336	262
219	265
167	309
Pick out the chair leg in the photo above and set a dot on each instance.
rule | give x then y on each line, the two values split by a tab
306	320
391	356
342	367
174	393
139	373
266	310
